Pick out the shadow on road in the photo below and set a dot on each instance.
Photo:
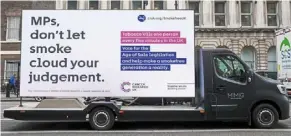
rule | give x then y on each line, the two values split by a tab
38	126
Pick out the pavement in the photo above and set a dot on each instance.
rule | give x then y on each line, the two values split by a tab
15	128
13	97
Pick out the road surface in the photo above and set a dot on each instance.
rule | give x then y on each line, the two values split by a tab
11	127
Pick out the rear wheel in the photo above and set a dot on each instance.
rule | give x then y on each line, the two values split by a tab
38	99
265	116
101	119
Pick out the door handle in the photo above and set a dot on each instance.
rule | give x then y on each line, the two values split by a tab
220	89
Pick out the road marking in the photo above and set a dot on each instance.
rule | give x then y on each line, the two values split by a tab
148	131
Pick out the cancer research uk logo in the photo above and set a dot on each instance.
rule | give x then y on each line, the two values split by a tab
285	49
127	86
141	18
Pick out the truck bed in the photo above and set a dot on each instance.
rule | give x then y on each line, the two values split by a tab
48	109
59	110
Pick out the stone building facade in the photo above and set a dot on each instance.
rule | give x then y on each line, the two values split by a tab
11	32
246	27
243	26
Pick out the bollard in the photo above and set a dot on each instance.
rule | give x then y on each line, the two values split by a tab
7	91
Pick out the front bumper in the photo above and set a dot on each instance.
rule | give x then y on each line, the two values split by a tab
284	106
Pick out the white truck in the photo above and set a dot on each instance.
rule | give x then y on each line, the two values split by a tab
147	55
283	38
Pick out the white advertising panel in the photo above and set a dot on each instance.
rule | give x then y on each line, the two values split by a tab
107	53
284	53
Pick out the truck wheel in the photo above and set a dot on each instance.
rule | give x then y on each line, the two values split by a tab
265	116
101	119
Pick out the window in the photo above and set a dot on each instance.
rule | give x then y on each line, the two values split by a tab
272	61
159	4
246	13
72	4
13	28
94	4
248	55
230	68
219	9
115	4
11	67
139	4
272	11
194	5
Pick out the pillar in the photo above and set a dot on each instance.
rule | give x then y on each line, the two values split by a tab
125	4
235	46
104	4
207	13
262	58
59	4
232	14
259	14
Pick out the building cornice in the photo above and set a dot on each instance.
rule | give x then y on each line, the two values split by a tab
235	29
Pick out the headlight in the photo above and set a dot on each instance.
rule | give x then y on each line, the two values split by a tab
282	89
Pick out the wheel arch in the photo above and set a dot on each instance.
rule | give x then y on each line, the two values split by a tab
265	101
110	106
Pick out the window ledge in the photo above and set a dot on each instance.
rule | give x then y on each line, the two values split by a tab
10	41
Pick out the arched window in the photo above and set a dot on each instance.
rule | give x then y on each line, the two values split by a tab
248	55
272	59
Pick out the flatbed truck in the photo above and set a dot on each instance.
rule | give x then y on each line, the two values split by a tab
227	90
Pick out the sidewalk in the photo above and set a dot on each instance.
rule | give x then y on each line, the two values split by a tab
13	98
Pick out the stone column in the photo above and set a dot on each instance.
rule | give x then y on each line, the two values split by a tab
235	46
82	4
181	4
150	4
126	4
259	14
207	13
60	4
262	58
170	4
286	13
104	4
232	6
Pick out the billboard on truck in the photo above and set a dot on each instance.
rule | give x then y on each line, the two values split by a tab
283	38
107	53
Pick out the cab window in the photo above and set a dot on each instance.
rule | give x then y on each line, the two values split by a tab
230	68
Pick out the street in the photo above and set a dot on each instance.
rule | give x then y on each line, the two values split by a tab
11	127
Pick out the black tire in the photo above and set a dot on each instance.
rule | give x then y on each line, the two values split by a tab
265	116
104	113
38	99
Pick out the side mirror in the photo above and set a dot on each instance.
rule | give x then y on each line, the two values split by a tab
249	75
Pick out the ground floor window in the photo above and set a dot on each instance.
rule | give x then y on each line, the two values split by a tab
248	55
272	59
10	68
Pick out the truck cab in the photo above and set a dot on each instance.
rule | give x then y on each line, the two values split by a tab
235	92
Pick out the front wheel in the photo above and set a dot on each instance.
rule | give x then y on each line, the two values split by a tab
101	119
265	116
